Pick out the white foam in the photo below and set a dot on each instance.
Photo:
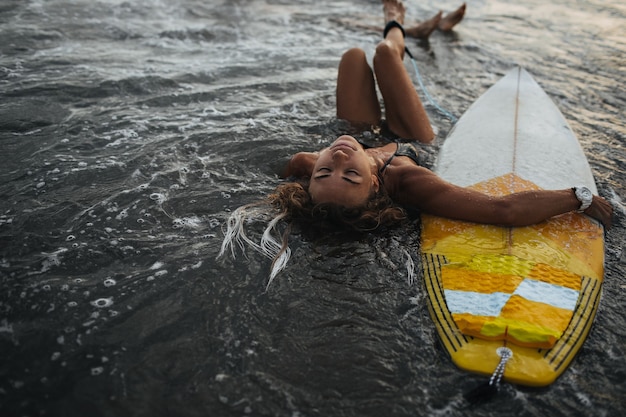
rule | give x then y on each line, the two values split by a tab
193	222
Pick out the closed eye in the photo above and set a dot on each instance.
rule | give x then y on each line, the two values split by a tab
326	172
322	173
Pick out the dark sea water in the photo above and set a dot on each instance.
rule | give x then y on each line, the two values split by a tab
130	129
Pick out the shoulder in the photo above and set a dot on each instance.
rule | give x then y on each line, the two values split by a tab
405	170
401	176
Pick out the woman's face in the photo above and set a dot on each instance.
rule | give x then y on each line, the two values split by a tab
343	174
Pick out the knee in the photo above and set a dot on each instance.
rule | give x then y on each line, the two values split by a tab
354	55
385	49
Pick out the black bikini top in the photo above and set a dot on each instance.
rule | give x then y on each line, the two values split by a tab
404	149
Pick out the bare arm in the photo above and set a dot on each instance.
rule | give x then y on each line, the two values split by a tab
300	165
421	188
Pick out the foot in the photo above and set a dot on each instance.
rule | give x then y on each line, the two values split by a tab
394	10
451	19
424	29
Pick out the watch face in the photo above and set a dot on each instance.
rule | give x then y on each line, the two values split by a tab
586	193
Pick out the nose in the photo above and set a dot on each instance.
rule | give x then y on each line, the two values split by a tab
340	155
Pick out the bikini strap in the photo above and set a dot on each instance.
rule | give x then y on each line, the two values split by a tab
382	169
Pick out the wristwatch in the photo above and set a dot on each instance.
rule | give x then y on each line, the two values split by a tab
585	196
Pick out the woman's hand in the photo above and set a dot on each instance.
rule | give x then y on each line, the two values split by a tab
601	210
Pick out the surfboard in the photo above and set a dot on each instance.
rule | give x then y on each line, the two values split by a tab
534	290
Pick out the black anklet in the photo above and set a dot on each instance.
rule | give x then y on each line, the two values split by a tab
393	24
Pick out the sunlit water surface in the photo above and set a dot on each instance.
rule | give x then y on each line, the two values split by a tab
130	129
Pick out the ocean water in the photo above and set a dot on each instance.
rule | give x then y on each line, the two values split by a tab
129	130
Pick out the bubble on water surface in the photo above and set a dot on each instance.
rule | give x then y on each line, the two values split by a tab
159	198
123	214
109	282
97	370
102	302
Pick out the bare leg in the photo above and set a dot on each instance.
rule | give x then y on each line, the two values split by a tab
356	90
404	111
451	19
424	29
421	30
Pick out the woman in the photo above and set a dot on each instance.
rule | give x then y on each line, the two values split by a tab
363	189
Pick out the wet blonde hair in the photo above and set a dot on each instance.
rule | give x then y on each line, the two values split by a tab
294	199
292	202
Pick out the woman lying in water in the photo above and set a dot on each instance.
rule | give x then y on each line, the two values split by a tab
346	185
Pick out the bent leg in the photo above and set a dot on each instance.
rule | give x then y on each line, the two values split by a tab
443	23
357	101
452	19
424	29
404	110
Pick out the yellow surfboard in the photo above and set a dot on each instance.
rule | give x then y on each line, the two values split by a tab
532	289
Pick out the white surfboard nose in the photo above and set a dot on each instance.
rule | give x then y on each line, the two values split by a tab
514	127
